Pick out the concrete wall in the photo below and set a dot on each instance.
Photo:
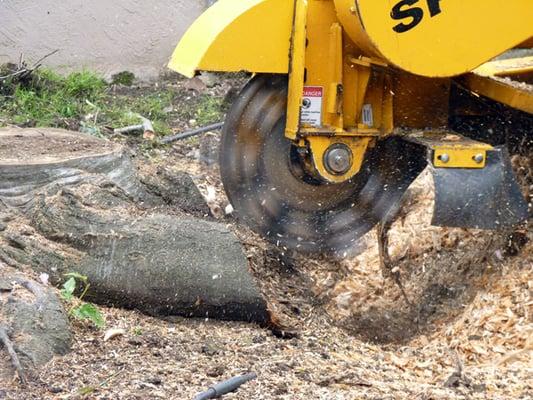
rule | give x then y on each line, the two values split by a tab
104	35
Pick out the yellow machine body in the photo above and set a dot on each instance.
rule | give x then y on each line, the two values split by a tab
437	38
232	36
434	38
368	66
356	84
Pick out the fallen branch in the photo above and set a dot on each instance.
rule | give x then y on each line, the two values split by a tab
194	132
146	127
23	70
4	339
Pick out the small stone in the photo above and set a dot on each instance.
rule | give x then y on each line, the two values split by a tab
135	341
210	349
195	84
259	339
208	78
479	387
5	286
216	371
154	380
54	389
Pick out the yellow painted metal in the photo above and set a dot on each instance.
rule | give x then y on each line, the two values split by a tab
437	38
356	78
451	150
333	62
347	14
346	47
297	69
232	36
507	67
461	156
320	144
323	60
507	81
518	95
335	88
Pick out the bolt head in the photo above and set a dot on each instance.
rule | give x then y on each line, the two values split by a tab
479	158
445	158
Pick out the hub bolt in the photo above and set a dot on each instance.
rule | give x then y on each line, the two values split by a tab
338	159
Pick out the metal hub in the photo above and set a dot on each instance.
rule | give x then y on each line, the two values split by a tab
338	159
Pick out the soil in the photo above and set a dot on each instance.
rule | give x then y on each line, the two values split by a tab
463	331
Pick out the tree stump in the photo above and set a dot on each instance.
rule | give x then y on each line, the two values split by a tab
74	203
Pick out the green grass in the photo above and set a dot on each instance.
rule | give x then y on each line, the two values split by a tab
50	100
83	100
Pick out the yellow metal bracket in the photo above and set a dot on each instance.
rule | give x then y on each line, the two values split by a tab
451	150
506	81
296	69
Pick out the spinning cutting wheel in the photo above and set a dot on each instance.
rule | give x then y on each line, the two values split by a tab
274	190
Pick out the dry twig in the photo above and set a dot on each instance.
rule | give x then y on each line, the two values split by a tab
23	70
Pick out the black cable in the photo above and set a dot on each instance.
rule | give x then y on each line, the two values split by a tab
194	132
225	387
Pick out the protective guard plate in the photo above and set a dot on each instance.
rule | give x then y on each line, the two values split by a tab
487	198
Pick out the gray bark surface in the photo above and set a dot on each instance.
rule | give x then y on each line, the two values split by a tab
33	319
86	211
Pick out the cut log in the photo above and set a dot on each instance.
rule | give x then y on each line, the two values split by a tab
74	203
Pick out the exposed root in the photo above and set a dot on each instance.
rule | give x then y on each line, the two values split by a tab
38	292
458	377
8	345
386	264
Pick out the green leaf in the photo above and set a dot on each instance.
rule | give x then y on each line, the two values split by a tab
76	276
88	312
68	289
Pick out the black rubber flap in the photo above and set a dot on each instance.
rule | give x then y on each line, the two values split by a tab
487	198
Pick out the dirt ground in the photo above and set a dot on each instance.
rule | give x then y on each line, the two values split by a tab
463	330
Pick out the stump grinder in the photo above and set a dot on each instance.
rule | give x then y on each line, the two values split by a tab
351	99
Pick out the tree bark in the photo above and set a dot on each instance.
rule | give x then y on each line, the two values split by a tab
73	203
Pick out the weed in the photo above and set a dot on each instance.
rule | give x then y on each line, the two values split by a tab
209	110
83	311
125	78
120	110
